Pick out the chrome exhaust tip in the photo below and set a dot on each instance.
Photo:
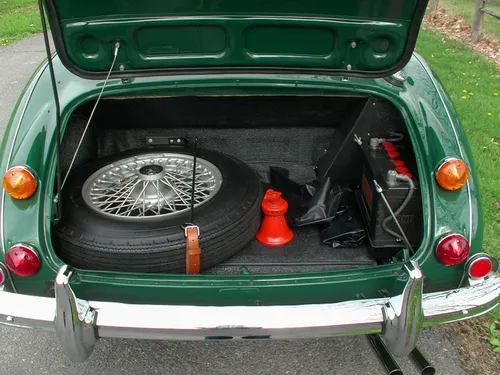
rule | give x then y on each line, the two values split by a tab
421	363
383	354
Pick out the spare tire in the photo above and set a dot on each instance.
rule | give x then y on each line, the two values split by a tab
126	212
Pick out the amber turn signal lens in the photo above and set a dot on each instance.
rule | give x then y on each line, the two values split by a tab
452	174
19	183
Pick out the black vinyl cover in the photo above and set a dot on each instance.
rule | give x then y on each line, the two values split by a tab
346	229
321	203
309	203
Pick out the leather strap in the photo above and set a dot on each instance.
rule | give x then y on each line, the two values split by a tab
193	251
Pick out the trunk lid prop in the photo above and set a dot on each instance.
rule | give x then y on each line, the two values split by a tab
115	54
59	184
58	208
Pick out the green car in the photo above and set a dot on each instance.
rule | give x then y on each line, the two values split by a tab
216	170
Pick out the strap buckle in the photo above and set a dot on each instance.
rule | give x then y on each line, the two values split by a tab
190	226
193	250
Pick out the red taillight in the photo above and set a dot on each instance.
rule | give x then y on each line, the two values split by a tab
453	249
479	266
22	260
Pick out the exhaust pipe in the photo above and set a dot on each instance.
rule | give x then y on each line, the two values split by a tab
421	363
385	357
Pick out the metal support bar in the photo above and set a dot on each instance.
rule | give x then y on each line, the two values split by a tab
57	109
116	47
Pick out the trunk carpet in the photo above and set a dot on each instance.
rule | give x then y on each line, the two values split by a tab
305	253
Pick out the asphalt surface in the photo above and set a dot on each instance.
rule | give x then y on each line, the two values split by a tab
32	352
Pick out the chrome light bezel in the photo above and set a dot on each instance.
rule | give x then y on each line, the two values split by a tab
4	274
475	258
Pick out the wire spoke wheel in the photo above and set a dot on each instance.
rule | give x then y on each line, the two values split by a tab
151	186
125	212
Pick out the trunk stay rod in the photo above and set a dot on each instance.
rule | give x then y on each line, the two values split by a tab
115	54
58	108
60	185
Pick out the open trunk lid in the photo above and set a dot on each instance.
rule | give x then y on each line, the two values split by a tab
371	38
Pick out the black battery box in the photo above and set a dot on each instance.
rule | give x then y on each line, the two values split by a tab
377	162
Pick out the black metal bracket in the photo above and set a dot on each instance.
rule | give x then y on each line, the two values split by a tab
166	140
343	151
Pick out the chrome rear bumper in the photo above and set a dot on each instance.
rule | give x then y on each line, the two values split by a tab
80	323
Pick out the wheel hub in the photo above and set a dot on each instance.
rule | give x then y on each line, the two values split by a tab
151	172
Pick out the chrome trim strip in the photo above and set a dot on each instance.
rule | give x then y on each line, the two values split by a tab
433	80
34	82
78	322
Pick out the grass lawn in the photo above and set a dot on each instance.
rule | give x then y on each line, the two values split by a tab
473	84
466	8
18	19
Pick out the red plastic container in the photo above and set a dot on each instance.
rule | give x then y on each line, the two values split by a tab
274	230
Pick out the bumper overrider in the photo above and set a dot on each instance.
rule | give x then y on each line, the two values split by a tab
79	323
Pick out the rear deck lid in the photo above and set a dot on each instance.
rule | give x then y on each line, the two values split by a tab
371	38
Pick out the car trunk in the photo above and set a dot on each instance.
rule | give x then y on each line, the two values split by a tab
311	137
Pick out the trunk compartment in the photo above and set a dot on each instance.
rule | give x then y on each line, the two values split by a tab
310	136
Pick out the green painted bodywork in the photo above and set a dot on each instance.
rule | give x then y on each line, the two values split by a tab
432	124
369	37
